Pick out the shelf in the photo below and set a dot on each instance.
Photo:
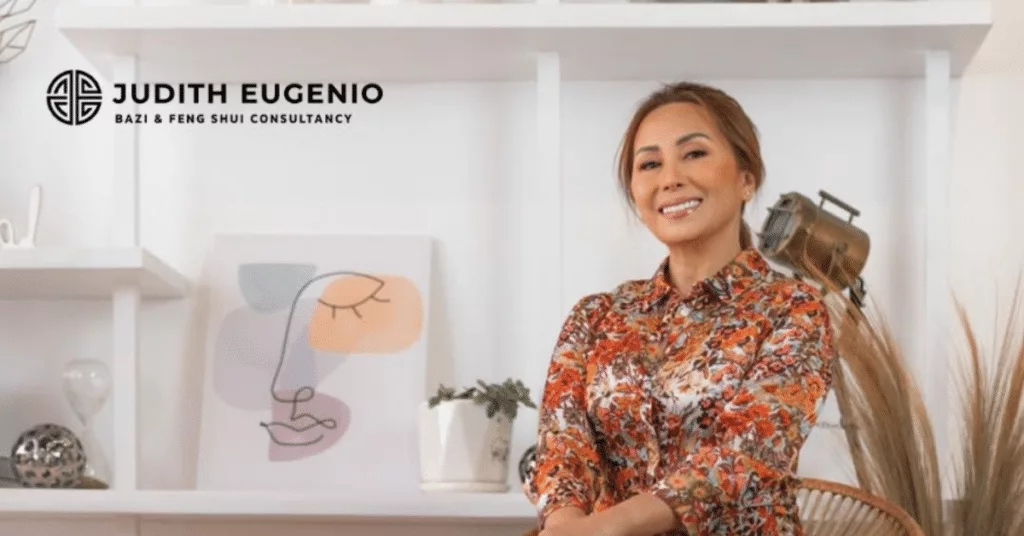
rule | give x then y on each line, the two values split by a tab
344	43
85	273
497	507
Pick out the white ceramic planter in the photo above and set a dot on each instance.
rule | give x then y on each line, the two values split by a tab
462	450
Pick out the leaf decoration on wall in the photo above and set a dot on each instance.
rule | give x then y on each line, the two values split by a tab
13	8
14	39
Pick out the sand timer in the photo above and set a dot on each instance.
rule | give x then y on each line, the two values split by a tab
87	386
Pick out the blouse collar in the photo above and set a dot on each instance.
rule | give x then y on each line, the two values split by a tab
744	271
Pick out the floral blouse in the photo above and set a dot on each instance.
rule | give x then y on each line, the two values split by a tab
702	398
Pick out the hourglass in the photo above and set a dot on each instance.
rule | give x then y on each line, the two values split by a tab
87	386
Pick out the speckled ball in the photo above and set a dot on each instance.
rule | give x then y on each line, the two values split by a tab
528	464
48	456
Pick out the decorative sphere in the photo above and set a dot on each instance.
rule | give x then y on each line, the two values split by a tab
528	464
48	456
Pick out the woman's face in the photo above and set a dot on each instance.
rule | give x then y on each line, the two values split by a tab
686	183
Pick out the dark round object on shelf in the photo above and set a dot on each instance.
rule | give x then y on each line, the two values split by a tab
527	464
48	456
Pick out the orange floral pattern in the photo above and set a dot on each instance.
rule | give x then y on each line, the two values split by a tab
702	398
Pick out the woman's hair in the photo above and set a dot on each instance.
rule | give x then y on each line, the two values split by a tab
731	120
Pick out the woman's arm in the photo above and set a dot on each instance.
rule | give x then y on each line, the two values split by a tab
758	433
568	468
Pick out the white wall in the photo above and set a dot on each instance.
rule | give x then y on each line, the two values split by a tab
987	189
455	161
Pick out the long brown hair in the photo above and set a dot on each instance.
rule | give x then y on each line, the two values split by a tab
730	118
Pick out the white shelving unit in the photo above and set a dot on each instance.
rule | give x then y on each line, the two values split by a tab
546	43
483	42
490	507
61	273
123	274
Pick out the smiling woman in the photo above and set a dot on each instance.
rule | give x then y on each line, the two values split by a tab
716	146
679	404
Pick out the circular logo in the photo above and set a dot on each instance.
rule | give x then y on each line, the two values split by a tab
74	97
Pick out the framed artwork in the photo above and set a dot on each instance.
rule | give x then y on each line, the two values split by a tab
316	352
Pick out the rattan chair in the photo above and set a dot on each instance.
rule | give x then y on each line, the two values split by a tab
834	509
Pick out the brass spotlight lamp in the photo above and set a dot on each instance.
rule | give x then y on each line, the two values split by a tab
814	243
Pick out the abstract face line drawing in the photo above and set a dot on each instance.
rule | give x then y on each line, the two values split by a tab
387	315
378	330
334	308
313	343
298	397
310	341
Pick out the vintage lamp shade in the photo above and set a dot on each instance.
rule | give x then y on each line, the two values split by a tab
799	234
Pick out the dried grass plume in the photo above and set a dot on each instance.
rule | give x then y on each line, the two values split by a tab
888	430
989	475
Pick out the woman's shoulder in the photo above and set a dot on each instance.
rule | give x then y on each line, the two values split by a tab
592	309
781	286
623	293
787	295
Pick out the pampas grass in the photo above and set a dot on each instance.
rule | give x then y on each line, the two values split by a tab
888	430
990	470
887	422
890	436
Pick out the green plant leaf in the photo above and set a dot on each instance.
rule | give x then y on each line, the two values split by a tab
442	394
504	397
510	408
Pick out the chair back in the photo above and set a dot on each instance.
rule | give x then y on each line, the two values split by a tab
833	509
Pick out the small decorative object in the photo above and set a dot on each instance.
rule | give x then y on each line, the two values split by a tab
48	456
87	386
465	436
8	233
528	464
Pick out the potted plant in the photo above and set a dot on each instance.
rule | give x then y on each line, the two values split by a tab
465	436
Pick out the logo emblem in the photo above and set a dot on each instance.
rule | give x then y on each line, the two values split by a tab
74	97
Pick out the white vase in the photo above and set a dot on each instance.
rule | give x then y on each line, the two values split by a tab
462	450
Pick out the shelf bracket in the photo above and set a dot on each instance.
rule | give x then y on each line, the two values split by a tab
937	305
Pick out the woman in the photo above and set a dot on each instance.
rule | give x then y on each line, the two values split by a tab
679	404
